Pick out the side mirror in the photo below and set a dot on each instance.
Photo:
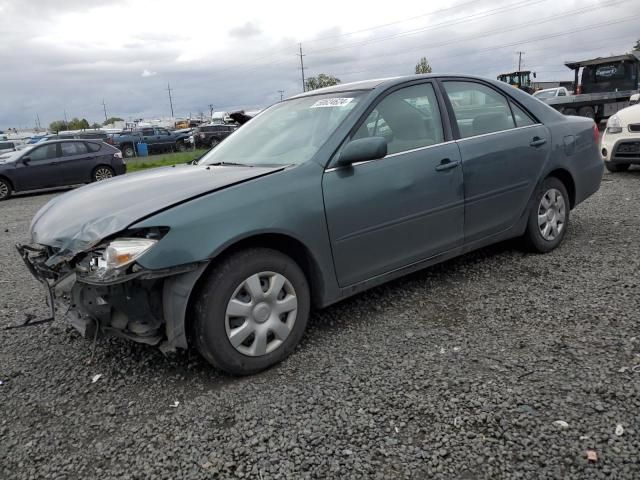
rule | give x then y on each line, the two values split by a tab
26	160
362	150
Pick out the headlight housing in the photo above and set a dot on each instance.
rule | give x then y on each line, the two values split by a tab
123	251
614	125
112	259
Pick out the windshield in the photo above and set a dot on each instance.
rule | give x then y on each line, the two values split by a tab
545	94
289	132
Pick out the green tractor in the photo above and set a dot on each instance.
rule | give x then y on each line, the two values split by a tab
521	80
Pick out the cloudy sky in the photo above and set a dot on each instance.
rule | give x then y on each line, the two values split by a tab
70	55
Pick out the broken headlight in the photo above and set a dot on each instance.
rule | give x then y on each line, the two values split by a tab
111	261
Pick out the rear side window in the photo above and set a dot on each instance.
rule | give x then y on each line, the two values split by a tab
72	148
522	119
6	145
408	118
147	132
93	147
478	109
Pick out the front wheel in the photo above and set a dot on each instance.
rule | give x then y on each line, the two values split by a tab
617	167
252	311
549	216
5	189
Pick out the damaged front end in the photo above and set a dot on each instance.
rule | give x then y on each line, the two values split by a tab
104	290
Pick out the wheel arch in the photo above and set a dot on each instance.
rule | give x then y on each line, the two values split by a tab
179	322
569	183
8	180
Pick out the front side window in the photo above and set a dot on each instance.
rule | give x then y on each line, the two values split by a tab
45	152
289	132
408	118
478	109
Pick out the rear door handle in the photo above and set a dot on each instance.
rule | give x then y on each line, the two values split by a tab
447	164
537	141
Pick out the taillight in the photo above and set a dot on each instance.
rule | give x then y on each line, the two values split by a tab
579	90
596	133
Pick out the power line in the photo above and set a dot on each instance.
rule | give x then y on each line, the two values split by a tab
551	18
448	23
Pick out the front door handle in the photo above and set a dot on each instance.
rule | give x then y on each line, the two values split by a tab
447	164
538	142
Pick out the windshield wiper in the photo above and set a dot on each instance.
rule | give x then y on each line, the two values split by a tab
228	164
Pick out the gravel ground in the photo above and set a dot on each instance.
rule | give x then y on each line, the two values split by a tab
459	371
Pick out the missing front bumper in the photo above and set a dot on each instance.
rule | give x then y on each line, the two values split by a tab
134	306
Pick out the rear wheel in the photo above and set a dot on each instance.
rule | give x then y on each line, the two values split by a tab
252	311
617	167
102	172
181	147
5	189
214	142
128	151
587	112
549	216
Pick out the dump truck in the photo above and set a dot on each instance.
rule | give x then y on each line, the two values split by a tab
604	85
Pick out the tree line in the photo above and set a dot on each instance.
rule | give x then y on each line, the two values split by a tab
79	124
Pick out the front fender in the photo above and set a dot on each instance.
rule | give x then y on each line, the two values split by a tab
288	202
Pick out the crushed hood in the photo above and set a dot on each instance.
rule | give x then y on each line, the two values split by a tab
80	219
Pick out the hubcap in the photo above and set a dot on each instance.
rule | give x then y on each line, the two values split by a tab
552	214
4	190
261	313
103	174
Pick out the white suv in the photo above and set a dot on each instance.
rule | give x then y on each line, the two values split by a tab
620	146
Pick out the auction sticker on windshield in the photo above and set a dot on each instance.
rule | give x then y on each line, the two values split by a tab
331	102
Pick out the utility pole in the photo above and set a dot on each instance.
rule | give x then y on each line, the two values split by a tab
170	100
281	92
65	117
520	60
105	111
304	88
38	121
210	110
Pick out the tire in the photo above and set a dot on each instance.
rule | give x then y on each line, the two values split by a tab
5	189
102	172
570	111
587	112
214	142
128	151
535	238
617	167
181	147
232	281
